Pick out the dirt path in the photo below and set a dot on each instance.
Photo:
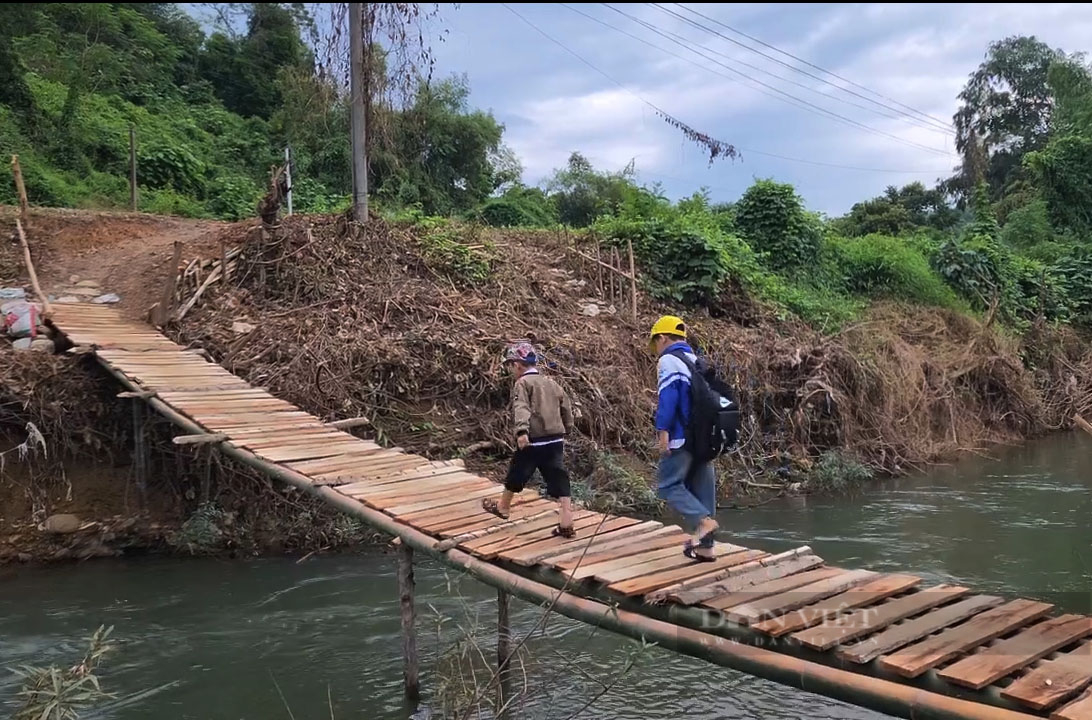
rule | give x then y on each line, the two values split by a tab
127	254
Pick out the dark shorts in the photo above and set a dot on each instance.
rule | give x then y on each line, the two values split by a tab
548	460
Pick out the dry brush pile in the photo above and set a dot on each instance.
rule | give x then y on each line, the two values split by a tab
405	324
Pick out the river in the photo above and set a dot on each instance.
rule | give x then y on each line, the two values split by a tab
277	638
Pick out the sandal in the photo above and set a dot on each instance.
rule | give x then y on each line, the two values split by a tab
565	532
492	506
691	551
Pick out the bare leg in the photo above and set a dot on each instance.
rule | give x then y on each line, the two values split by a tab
565	512
505	504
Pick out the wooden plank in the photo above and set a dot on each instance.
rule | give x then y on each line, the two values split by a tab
416	488
530	546
359	461
530	554
606	551
905	633
737	578
619	531
535	527
623	570
470	512
933	651
866	621
871	592
348	484
372	463
467	508
450	499
1024	648
1054	681
784	602
582	571
772	587
642	585
412	495
1079	709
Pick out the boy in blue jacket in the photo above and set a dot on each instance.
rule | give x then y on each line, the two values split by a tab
688	487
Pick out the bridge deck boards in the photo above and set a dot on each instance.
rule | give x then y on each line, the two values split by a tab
883	617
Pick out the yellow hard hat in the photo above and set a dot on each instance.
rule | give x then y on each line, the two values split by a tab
667	325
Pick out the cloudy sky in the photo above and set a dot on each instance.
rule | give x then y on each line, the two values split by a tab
592	86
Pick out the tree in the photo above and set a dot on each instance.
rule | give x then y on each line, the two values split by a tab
443	156
899	210
582	193
1006	106
243	71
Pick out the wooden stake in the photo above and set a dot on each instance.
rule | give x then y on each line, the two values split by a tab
409	633
132	169
203	439
632	278
30	269
599	261
504	652
1083	424
349	423
167	301
17	171
225	271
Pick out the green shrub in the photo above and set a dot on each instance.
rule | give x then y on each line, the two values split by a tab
880	266
1073	274
1028	227
203	532
232	197
454	250
837	472
771	218
170	202
519	206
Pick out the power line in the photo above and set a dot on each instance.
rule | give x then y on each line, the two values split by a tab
925	116
662	112
843	118
679	39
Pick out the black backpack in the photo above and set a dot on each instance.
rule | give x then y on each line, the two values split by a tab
714	414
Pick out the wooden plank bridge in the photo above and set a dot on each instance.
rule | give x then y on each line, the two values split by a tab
881	640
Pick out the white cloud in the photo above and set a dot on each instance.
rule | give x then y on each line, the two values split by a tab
918	54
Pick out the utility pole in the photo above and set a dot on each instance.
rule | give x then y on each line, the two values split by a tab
132	169
356	89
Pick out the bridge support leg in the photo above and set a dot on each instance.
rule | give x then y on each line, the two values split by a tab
409	634
504	650
140	448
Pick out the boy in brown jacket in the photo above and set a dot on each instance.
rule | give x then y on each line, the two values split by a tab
542	416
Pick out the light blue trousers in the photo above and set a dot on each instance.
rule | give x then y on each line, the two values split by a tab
689	489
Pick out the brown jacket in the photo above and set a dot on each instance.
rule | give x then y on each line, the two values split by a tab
540	408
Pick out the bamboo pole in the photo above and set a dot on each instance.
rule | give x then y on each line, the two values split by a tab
140	449
17	171
504	653
411	681
30	269
1083	424
895	698
608	266
632	279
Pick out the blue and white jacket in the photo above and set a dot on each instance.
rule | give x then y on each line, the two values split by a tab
673	382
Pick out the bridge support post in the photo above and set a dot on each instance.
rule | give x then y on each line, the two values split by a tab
140	448
504	651
409	633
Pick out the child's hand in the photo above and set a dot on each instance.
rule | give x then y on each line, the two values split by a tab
522	442
663	442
